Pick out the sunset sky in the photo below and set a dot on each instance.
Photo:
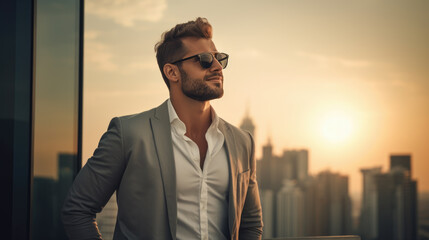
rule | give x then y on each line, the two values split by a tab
347	80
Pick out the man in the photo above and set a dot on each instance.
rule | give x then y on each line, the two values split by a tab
179	171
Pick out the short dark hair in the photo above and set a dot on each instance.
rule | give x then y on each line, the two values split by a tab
171	48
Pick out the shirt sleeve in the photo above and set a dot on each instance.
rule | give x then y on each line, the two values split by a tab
94	185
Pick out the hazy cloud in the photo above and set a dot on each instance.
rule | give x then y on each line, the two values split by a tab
100	56
97	53
144	65
127	12
91	34
249	53
400	81
327	61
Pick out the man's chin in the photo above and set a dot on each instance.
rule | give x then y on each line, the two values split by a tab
217	84
206	97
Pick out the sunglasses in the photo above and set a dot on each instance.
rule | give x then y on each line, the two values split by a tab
206	59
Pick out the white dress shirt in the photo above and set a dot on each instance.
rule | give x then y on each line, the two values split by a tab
202	194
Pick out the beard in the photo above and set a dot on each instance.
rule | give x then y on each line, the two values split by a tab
198	89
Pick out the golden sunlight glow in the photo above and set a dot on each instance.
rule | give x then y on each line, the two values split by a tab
336	127
310	81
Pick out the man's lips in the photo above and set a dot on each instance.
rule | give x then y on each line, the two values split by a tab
215	78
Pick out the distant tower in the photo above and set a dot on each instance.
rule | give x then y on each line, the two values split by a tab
106	219
389	206
247	123
296	164
267	150
333	206
290	210
66	168
368	217
400	161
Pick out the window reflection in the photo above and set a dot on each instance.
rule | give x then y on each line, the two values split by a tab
56	97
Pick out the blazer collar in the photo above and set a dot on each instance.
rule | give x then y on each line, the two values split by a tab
161	129
231	149
160	123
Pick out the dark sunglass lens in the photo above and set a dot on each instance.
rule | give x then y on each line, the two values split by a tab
223	59
206	60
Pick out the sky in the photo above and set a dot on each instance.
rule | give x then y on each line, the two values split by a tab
347	80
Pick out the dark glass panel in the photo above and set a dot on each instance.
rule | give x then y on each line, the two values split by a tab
56	112
16	25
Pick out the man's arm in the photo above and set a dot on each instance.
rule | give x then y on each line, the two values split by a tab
251	217
94	185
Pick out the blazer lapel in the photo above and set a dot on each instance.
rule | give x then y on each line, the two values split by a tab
160	124
233	172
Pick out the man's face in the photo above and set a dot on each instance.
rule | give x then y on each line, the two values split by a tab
196	82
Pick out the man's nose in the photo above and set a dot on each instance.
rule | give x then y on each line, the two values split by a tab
216	66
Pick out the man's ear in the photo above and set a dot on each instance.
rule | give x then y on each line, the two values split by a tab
172	72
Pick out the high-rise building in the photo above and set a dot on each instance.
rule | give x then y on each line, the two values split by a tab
395	196
106	219
400	161
333	204
296	164
67	169
247	124
368	218
294	203
267	202
302	205
397	206
423	218
290	210
272	170
309	187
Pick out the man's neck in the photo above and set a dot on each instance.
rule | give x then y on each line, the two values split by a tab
196	115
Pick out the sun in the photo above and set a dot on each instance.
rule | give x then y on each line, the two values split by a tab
336	127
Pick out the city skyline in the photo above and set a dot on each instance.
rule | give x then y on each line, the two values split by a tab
330	90
296	203
348	81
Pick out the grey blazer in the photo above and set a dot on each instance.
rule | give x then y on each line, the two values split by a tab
135	158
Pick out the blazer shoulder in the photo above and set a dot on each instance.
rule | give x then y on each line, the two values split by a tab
158	112
137	116
133	125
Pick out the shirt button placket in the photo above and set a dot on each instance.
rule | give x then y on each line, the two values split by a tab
203	209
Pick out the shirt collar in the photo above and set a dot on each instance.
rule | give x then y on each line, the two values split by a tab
171	112
174	118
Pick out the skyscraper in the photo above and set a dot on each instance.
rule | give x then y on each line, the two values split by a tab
297	161
401	161
106	219
333	204
268	207
294	203
290	210
247	124
302	205
368	217
389	209
67	169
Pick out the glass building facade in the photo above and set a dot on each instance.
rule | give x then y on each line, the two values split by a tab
41	113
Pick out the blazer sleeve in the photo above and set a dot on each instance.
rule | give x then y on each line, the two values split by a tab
251	217
94	185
